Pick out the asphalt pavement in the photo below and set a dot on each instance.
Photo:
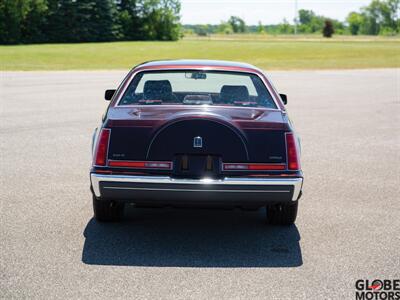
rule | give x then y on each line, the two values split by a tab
348	227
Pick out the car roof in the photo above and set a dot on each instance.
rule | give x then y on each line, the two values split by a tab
197	62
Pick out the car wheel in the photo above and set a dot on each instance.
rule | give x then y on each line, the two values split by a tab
282	214
107	211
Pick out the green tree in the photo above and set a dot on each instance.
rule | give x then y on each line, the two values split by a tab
285	27
381	16
160	19
389	11
237	24
129	22
306	16
339	27
31	21
169	28
33	24
12	13
225	28
102	20
372	18
310	22
94	21
355	21
82	21
260	27
62	21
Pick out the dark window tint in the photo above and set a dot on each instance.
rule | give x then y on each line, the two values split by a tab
197	88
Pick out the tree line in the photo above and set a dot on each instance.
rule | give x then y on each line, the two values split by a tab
53	21
380	17
65	21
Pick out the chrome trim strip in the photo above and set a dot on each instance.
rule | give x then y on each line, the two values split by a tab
97	178
194	190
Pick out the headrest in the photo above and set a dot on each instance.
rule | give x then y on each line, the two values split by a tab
231	93
157	90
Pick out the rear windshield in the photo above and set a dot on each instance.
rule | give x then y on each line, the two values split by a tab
197	88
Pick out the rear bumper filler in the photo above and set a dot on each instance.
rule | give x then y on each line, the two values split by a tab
164	189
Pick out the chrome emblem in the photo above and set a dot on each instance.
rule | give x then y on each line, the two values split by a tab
198	142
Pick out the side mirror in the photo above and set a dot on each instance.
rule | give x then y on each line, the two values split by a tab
109	94
284	98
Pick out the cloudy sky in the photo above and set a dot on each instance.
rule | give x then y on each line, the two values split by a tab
266	11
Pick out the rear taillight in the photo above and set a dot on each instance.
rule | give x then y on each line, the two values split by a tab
252	167
292	152
100	155
161	165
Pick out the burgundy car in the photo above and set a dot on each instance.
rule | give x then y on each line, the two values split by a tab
196	133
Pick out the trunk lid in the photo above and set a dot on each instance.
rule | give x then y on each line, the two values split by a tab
201	134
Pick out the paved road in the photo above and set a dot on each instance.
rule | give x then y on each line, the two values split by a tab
348	226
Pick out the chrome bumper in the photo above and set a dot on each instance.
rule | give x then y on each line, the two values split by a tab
166	184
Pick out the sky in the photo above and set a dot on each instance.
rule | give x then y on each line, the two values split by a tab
266	11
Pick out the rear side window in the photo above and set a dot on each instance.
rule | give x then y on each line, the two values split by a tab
197	88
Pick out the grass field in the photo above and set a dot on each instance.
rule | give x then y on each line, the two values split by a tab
267	53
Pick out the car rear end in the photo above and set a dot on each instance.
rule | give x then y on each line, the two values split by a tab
196	155
173	171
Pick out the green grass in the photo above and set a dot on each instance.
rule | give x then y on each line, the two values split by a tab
268	53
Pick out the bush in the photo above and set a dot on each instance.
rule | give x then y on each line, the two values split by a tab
328	30
387	31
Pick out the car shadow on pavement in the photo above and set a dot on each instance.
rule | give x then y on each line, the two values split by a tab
191	238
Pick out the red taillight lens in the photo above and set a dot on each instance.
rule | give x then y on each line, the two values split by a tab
100	156
165	165
292	153
266	167
253	167
127	164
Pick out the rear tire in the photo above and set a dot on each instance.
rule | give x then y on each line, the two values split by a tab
282	214
107	211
